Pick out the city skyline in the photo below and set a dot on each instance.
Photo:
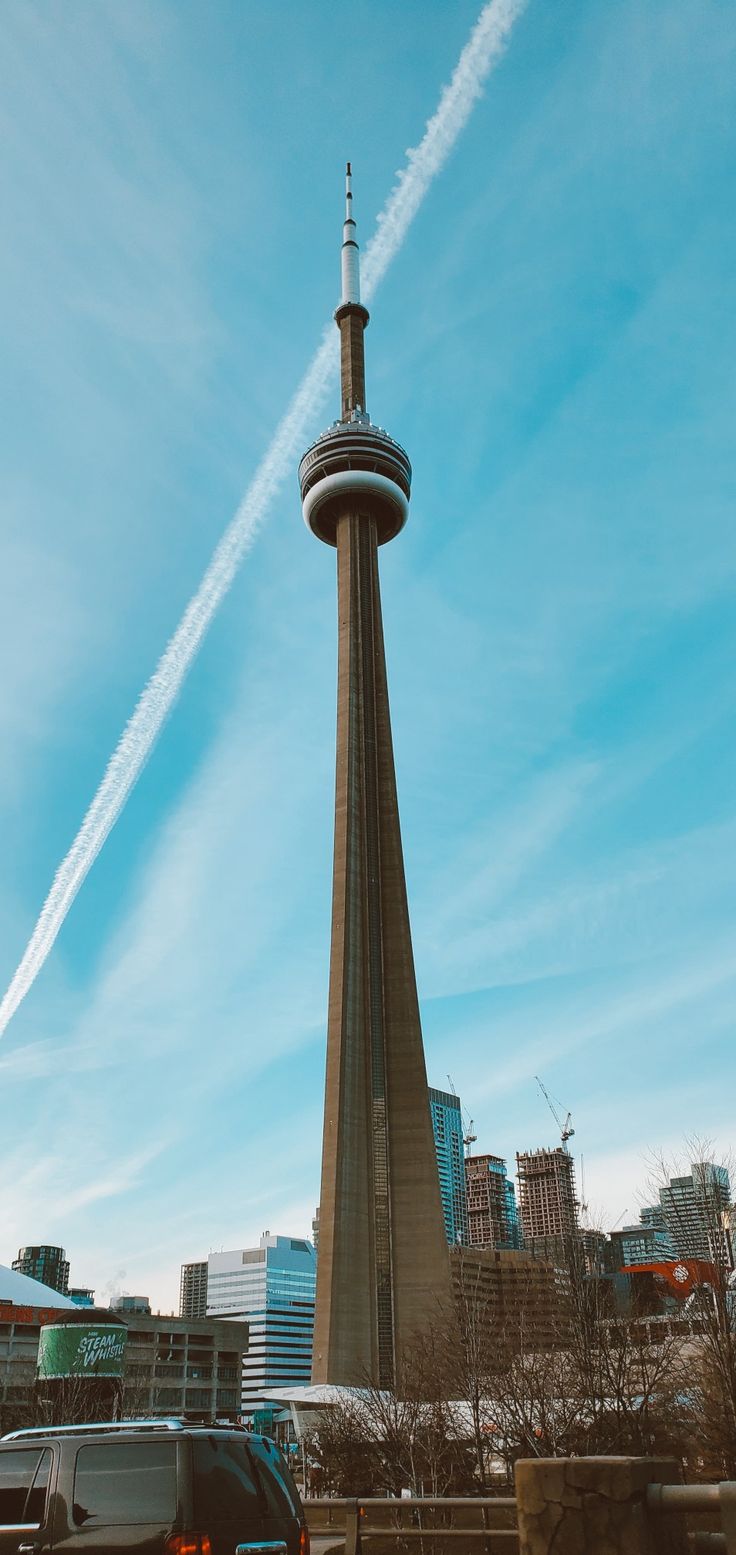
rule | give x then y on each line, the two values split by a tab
560	681
505	1230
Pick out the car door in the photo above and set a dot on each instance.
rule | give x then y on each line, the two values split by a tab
119	1496
284	1515
25	1480
228	1503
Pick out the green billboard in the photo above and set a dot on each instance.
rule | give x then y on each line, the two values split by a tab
82	1350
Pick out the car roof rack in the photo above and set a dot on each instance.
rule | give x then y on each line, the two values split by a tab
170	1423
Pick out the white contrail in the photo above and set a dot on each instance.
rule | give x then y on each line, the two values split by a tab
483	49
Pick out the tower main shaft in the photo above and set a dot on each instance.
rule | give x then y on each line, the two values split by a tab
383	1270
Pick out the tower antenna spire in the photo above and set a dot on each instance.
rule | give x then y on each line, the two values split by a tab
351	317
350	251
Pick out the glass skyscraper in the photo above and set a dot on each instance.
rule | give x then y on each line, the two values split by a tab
272	1288
693	1210
649	1242
447	1124
48	1264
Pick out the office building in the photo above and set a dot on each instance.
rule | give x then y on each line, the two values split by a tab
509	1300
126	1305
24	1306
272	1287
694	1209
383	1267
593	1248
447	1126
647	1242
651	1217
49	1265
547	1204
193	1289
176	1366
173	1366
81	1295
493	1219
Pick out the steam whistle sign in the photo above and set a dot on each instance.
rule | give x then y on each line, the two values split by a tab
81	1350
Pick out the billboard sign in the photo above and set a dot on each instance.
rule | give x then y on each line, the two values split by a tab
82	1350
682	1275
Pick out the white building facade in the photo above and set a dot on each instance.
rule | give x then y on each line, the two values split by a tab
272	1287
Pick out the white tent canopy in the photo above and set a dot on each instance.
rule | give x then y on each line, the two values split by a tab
23	1292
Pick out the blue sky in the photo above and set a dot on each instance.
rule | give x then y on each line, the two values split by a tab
555	347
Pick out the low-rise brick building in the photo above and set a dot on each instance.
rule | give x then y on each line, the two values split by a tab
173	1365
183	1365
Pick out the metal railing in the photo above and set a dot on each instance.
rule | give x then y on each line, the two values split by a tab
683	1500
414	1517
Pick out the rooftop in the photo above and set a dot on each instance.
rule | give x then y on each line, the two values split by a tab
21	1291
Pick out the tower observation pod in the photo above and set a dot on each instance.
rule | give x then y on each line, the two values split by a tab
383	1273
354	457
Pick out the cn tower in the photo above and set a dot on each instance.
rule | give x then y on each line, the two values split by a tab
383	1269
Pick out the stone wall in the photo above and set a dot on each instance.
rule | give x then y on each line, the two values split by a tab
594	1506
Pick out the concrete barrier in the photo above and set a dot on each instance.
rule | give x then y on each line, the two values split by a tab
594	1506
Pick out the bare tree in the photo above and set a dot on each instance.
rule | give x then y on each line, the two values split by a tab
76	1399
473	1357
600	1382
342	1454
440	1460
381	1440
555	1369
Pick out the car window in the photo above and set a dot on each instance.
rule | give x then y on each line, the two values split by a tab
125	1483
36	1504
225	1486
282	1496
24	1475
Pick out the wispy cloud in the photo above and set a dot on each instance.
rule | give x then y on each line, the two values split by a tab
47	1059
583	1021
484	47
501	852
54	1178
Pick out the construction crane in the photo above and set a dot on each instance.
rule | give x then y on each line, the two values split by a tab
583	1202
469	1137
566	1129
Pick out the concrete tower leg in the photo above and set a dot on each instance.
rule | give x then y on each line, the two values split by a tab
383	1260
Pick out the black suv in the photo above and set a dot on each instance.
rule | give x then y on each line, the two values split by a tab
158	1487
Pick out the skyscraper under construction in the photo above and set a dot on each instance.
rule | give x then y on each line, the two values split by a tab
547	1205
383	1270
